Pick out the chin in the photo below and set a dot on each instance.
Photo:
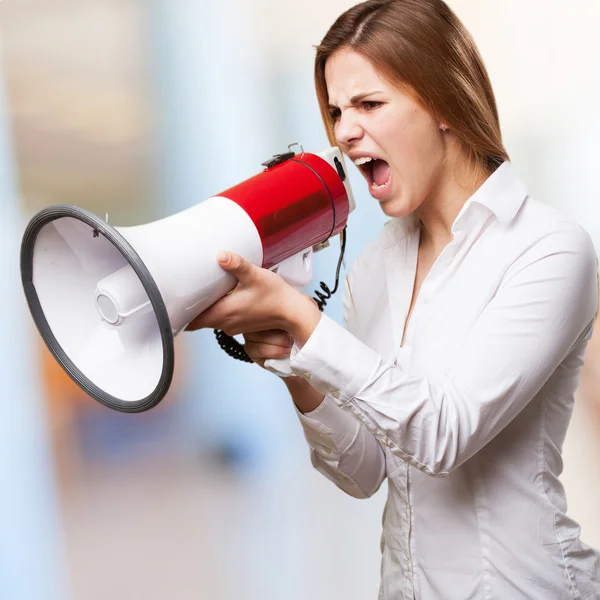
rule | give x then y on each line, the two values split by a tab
394	208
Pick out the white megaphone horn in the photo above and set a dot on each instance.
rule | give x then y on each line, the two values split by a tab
108	300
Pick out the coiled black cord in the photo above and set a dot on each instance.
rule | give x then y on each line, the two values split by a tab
231	346
236	350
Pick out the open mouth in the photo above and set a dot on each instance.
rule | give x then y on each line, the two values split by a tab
376	171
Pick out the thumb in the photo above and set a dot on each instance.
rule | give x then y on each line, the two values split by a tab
234	263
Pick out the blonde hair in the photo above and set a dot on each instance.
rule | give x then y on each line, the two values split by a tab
421	46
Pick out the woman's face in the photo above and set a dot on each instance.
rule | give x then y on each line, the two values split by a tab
375	119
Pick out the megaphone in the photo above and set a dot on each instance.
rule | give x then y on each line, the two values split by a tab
108	301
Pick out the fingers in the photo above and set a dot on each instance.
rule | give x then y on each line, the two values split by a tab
275	337
235	264
240	268
194	325
201	321
260	352
253	305
262	345
210	316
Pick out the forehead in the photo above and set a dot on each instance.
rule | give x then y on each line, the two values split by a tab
348	73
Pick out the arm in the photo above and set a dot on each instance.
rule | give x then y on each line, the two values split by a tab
543	309
342	449
305	397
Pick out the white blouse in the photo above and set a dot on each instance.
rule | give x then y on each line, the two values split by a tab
467	420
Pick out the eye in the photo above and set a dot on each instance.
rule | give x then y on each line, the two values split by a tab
371	104
334	114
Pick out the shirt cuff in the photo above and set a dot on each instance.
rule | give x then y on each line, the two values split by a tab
342	426
334	361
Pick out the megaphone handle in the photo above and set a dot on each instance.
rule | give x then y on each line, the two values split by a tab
281	366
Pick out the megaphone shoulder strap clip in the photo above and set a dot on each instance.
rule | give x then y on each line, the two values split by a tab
277	159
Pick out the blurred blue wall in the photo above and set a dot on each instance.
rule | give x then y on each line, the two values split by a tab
217	123
31	548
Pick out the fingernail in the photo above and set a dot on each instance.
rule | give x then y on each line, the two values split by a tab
224	257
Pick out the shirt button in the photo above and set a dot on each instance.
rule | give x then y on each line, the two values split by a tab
335	394
306	375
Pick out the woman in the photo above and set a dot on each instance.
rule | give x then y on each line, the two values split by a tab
466	323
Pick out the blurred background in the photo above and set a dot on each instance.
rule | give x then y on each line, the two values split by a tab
139	109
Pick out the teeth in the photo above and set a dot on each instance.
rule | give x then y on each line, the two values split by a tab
374	186
362	160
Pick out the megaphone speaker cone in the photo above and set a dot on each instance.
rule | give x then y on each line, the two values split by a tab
70	260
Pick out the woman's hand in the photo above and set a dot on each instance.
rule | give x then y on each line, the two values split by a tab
262	345
261	301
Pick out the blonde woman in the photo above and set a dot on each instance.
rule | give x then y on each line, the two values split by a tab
466	323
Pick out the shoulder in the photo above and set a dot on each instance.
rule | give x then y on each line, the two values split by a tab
555	256
522	225
540	230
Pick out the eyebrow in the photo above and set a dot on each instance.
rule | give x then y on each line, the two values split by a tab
356	99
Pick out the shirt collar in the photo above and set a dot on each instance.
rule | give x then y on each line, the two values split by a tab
503	193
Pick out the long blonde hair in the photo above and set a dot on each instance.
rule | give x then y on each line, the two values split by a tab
421	46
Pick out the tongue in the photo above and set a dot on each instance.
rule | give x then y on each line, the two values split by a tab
381	172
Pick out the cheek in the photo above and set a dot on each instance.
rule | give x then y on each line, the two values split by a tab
423	132
418	143
416	152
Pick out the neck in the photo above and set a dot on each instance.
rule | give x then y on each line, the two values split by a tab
455	185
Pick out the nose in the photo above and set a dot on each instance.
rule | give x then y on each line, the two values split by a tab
347	129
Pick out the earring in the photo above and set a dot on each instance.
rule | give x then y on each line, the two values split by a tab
444	127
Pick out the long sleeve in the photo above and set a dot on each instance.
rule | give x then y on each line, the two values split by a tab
341	446
543	309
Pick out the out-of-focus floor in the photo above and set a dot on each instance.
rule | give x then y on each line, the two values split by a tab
181	530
